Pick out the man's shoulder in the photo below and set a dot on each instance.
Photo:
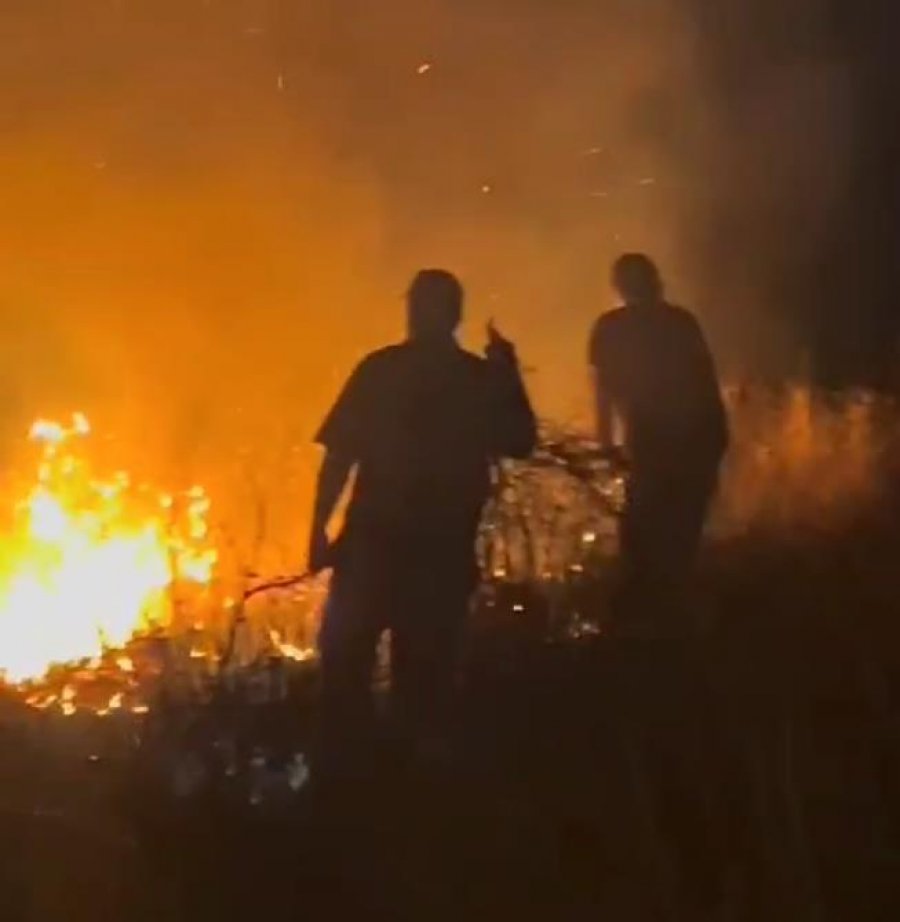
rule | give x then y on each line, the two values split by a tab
400	359
611	319
682	316
401	351
380	360
620	319
471	359
384	354
683	327
608	326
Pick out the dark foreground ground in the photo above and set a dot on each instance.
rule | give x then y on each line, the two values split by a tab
753	776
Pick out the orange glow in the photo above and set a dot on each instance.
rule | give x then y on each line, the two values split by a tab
88	563
290	651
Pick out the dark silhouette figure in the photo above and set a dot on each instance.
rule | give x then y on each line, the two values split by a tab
420	423
655	377
657	389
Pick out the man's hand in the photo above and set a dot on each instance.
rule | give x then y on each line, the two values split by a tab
616	457
499	348
321	554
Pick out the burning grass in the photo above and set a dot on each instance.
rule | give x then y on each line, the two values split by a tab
208	699
111	588
210	691
91	561
803	459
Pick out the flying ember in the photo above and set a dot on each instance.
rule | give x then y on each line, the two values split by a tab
88	563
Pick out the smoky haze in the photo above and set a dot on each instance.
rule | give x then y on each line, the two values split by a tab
211	208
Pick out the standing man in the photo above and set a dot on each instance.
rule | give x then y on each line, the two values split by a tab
656	383
660	413
419	423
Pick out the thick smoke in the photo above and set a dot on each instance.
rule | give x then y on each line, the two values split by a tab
211	208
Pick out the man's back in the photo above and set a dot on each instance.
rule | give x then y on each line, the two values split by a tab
417	420
654	364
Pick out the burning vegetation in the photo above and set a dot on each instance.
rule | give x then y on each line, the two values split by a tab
97	568
113	590
91	562
109	588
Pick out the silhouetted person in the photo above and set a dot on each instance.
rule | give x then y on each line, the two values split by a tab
656	386
655	377
420	423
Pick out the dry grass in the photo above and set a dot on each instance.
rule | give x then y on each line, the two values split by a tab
804	459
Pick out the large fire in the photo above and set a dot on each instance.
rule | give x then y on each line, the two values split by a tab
88	563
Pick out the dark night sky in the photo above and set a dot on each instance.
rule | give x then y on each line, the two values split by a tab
865	242
843	293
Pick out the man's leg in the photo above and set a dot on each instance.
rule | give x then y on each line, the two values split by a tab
640	592
660	537
680	737
348	643
425	646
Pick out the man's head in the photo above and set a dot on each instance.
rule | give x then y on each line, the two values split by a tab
636	279
434	302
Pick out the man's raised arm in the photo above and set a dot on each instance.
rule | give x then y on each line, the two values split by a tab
514	425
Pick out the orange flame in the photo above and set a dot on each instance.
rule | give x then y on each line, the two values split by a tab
89	563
